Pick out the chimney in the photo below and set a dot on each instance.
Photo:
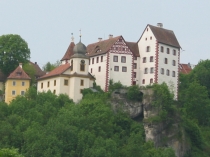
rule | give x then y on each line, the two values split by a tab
160	25
99	39
20	64
110	36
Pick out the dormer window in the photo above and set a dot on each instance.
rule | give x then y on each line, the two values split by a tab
18	73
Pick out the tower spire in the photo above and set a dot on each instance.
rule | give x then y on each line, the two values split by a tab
80	35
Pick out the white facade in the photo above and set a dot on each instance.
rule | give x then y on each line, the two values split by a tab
117	64
159	62
70	78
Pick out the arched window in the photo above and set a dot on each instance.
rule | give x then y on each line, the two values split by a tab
162	71
148	49
161	49
167	72
143	81
168	51
82	65
151	80
146	70
174	63
71	65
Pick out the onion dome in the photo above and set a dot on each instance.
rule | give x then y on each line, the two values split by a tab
79	51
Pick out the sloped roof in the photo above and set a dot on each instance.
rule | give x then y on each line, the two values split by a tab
184	68
38	71
57	71
133	46
101	46
18	73
69	52
2	76
165	36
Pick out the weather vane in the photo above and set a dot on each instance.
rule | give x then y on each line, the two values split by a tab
72	37
80	35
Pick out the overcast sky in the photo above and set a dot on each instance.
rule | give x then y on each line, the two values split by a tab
46	25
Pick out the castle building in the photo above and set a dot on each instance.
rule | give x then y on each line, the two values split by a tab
16	84
71	77
112	59
159	57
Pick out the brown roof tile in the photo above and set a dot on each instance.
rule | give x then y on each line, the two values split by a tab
38	71
2	76
101	46
69	52
57	71
133	46
184	68
165	36
18	73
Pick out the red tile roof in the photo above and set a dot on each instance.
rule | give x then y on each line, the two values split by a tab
57	71
165	36
184	68
133	46
18	73
103	46
69	52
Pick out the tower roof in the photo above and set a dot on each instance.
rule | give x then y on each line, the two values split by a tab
79	51
69	52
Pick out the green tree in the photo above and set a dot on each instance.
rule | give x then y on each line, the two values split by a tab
30	70
13	50
6	152
50	66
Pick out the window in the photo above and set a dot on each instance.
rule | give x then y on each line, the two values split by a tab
173	74
101	58
162	71
22	92
135	58
54	91
81	82
89	61
161	49
167	72
41	85
151	70
71	65
23	83
91	70
134	74
97	60
13	83
115	58
116	68
143	81
151	80
145	38
66	82
13	92
150	38
82	67
124	69
174	63
134	65
92	60
99	69
48	84
148	49
168	51
174	52
151	59
54	82
123	59
145	70
144	60
166	60
81	91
